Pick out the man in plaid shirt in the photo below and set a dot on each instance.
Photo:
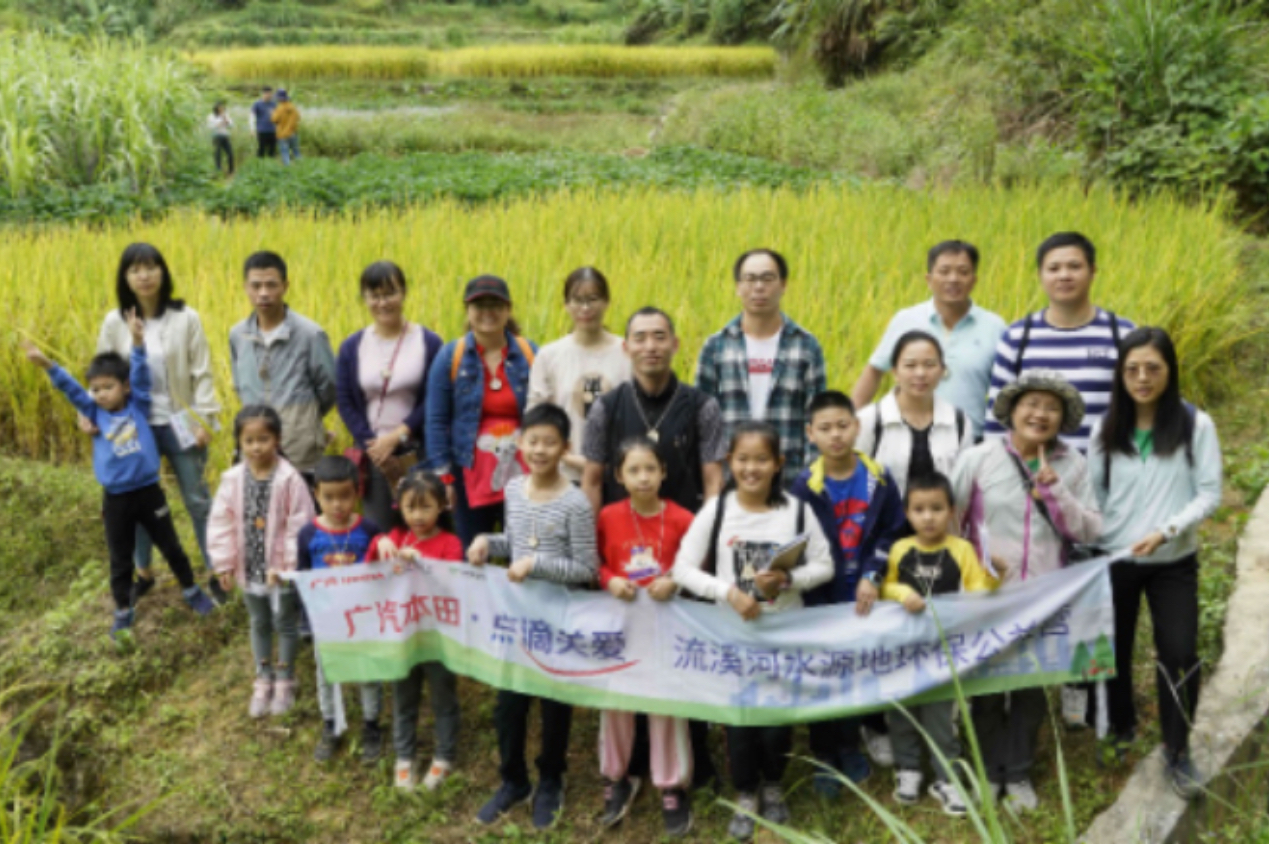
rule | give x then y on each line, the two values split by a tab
763	366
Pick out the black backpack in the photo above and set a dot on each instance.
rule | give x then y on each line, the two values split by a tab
878	428
1026	339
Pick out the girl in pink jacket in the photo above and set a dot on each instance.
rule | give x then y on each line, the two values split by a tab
261	505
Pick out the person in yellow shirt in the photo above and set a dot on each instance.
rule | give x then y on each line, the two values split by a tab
286	117
927	564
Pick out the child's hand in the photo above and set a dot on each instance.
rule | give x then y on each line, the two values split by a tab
621	588
35	356
272	579
770	583
478	553
136	327
744	604
1149	545
387	550
520	569
86	425
914	603
662	589
1001	565
1046	476
865	596
226	580
411	554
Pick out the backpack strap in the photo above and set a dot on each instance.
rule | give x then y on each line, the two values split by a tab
876	432
801	517
710	566
461	348
960	425
1114	329
1023	342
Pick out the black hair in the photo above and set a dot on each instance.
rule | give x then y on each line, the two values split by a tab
771	438
266	89
828	400
650	310
547	414
424	482
910	337
782	266
1061	240
335	469
951	247
1173	422
256	413
382	274
264	260
143	253
217	106
586	275
630	445
928	482
109	365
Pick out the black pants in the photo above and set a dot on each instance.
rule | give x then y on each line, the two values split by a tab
758	755
830	739
511	719
148	508
267	144
1172	592
1007	726
223	148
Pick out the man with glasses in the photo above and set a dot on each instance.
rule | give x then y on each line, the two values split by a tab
763	366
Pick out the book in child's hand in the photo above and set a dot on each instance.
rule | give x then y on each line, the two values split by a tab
183	426
789	555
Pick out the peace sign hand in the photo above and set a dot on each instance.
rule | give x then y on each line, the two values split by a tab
1046	476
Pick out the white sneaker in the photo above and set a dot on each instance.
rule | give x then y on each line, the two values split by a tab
437	773
907	788
1074	707
950	798
879	748
404	778
1021	795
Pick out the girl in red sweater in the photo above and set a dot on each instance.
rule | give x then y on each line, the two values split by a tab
638	541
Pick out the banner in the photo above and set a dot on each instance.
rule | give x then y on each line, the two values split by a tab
685	658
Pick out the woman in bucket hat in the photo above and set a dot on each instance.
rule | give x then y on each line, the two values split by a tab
1031	494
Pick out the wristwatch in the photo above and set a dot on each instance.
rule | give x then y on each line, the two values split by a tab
873	577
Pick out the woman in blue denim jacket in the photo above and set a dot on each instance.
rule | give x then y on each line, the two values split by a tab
476	393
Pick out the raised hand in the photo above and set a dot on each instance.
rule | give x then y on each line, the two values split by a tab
35	356
1046	476
136	327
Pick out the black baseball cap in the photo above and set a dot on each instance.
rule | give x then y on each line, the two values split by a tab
486	286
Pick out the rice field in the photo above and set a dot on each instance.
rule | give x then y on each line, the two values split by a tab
856	255
289	64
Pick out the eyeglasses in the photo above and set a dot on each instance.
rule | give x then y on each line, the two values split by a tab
589	302
381	297
764	278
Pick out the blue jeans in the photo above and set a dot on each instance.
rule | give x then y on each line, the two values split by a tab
188	466
289	148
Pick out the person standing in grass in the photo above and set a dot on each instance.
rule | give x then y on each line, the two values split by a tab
286	123
1028	495
262	123
126	463
967	333
283	360
1156	471
221	125
763	366
381	385
183	406
574	371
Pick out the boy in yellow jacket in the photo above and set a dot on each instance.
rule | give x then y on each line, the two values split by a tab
930	563
286	117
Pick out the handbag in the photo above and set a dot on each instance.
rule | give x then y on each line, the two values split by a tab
1072	551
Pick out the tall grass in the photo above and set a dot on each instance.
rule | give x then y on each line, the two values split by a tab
79	113
856	256
287	64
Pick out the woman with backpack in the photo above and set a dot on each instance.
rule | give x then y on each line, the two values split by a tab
1156	471
476	393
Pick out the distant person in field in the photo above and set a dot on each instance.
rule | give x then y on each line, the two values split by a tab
764	367
221	125
126	463
286	122
262	124
966	332
184	410
283	360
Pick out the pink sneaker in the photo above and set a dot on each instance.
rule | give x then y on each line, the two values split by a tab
261	693
283	697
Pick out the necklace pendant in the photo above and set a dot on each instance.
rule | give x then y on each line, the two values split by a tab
387	373
654	436
495	384
259	522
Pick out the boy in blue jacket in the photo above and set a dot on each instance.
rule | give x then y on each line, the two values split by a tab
126	463
861	512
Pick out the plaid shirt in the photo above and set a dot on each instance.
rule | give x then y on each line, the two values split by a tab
722	371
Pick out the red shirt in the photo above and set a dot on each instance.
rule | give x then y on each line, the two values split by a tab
639	548
501	402
442	546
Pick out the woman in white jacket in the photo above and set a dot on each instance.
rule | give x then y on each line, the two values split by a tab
184	408
911	431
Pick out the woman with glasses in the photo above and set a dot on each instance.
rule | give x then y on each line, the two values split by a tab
381	381
581	366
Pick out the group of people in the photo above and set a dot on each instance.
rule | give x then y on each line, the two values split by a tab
275	121
1004	452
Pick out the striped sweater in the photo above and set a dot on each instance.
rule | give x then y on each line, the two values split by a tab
564	530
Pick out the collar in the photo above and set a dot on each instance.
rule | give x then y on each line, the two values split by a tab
733	328
282	332
933	317
888	408
816	480
667	392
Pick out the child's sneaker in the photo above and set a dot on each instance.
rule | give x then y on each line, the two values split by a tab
217	592
261	696
437	773
506	798
1074	707
198	601
774	808
949	797
404	776
854	766
1021	795
742	822
548	802
371	744
283	697
676	812
879	747
327	744
121	629
617	799
907	789
141	587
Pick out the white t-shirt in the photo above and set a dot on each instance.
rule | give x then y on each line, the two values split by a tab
161	408
762	357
